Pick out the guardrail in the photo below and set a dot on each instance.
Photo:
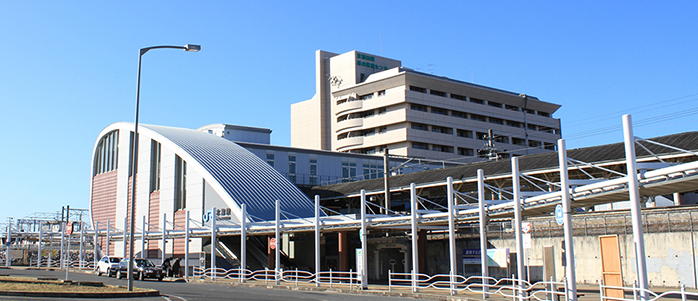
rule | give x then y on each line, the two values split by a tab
506	287
56	263
296	276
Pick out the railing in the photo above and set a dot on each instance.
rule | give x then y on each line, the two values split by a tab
637	293
296	276
506	287
56	263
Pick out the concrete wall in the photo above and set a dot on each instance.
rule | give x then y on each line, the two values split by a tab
671	258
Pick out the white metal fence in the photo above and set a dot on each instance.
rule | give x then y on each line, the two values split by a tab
296	276
606	292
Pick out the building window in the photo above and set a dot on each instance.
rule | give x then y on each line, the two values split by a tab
549	146
420	126
381	92
419	145
494	104
417	107
372	169
366	97
459	114
481	135
106	153
439	111
313	170
442	148
382	111
437	93
518	141
270	158
529	111
501	139
478	117
180	186
533	143
477	101
292	168
465	151
544	114
496	120
348	171
515	124
465	133
441	129
155	165
513	108
459	97
418	89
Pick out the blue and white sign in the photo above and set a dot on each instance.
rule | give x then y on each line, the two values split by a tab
559	216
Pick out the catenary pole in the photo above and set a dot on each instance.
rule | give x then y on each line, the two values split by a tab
277	252
243	243
187	237
483	232
317	240
364	247
41	226
415	235
636	215
517	223
214	243
567	212
451	236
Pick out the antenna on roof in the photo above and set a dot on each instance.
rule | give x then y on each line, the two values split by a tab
380	39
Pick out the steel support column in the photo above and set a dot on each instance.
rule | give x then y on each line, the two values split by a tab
483	231
243	242
415	236
634	192
517	222
317	239
451	236
567	213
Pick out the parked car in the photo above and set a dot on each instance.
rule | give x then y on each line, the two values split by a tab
108	265
142	268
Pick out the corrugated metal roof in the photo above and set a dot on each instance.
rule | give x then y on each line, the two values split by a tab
595	154
244	176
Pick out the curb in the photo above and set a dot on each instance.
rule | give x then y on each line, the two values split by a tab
80	295
403	294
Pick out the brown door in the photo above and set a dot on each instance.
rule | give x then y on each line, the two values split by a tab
611	265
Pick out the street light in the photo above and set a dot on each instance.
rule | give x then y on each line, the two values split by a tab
134	162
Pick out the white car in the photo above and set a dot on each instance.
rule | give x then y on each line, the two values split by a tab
108	265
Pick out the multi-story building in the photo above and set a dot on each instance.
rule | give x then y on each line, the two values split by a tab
311	167
365	103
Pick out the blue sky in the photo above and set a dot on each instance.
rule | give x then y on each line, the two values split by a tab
69	69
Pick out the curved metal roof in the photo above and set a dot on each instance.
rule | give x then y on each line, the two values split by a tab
244	176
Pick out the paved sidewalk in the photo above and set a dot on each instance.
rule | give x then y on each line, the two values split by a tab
584	291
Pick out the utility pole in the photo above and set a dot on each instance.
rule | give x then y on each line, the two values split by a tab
489	147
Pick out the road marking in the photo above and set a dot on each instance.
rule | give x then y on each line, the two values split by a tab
172	296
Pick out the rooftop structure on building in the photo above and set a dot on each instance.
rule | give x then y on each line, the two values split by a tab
366	103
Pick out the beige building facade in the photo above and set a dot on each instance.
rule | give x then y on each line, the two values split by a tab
365	103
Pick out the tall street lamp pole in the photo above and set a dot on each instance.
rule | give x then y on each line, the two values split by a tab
134	157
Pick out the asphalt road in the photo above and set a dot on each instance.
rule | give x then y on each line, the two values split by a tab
178	291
